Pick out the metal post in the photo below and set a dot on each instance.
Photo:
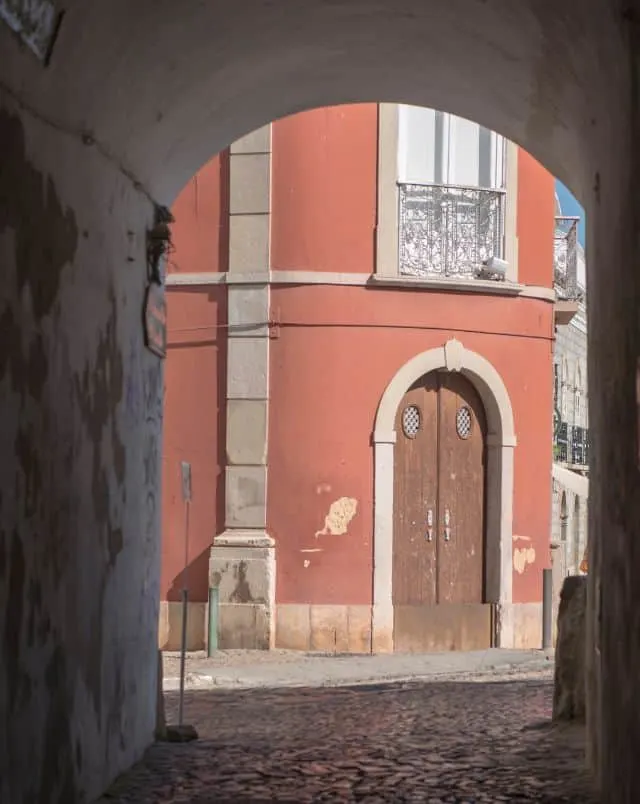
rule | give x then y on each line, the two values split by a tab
183	652
212	640
186	494
547	608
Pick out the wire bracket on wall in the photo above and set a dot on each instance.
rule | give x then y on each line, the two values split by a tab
274	325
159	245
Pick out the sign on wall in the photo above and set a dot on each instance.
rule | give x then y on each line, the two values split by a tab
35	21
155	320
185	470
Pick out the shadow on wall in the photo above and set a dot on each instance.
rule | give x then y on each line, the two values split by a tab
204	448
196	577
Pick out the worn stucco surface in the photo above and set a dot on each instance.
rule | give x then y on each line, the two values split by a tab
146	91
79	472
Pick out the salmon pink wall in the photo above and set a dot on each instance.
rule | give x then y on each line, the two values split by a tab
201	228
324	174
333	353
194	421
535	227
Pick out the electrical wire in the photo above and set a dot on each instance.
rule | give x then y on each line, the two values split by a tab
360	325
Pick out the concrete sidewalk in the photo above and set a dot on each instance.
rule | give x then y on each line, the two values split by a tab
261	669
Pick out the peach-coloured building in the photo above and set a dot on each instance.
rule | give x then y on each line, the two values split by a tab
359	370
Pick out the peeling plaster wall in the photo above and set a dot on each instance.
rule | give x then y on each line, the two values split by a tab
79	471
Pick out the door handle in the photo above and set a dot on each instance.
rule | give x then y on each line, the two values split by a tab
447	525
429	533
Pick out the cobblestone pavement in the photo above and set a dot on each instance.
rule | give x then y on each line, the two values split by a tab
439	741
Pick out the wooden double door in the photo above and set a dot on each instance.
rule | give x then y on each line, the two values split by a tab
439	518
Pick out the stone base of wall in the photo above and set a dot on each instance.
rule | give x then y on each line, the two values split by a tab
170	626
347	629
336	629
306	627
527	626
240	626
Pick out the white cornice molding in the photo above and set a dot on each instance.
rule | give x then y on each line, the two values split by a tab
482	286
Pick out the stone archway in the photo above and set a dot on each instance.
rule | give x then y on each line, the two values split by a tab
134	99
501	440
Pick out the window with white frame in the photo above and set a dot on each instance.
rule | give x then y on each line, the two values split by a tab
452	182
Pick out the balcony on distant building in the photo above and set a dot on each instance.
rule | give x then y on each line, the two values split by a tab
450	231
571	445
565	257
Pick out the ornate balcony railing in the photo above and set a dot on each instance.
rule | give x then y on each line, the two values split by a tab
571	444
565	256
448	231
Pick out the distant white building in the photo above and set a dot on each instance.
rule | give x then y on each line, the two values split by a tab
571	414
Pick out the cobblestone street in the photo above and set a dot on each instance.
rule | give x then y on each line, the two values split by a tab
482	740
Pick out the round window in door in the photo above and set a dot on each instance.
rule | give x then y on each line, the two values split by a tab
463	422
411	421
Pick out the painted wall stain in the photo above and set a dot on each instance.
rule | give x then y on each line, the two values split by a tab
216	578
337	521
46	234
523	556
242	590
99	390
133	383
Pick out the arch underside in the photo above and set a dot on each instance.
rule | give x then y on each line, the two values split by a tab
160	88
136	98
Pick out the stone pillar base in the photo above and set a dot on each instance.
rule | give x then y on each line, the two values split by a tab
504	635
382	631
242	566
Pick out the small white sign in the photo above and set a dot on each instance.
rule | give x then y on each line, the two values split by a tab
185	468
35	22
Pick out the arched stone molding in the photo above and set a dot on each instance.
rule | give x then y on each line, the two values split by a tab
501	440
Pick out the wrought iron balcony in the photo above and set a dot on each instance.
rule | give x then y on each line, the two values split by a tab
449	231
565	256
571	444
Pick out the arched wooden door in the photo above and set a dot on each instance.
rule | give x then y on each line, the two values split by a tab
439	532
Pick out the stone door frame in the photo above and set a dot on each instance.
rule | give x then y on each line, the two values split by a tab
501	441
